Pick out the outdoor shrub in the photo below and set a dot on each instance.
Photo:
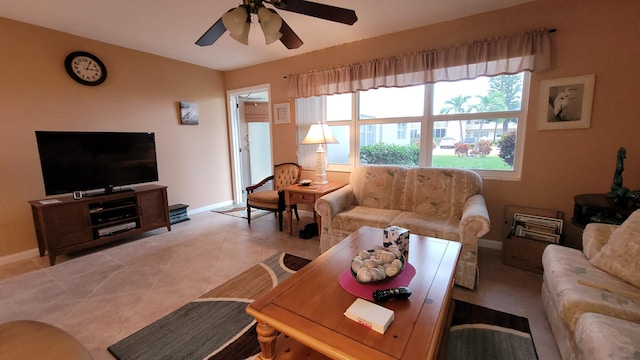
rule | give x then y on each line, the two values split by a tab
461	149
507	145
483	149
383	154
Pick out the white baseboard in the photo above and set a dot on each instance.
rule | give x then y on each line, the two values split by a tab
485	243
8	259
210	207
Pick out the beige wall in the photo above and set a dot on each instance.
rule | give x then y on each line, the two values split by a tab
141	93
593	37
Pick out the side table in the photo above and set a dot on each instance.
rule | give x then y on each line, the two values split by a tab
590	208
298	194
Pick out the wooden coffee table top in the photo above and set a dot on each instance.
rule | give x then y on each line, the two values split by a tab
309	306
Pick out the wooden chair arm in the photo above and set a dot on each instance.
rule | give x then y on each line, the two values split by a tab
252	188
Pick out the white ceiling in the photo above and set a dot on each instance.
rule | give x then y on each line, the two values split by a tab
170	28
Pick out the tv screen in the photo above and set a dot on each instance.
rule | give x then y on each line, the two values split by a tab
81	161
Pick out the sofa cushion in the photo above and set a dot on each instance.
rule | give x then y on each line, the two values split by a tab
355	217
443	228
264	199
620	256
439	193
594	237
564	267
380	187
605	337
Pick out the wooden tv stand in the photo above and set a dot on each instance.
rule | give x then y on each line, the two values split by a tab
64	225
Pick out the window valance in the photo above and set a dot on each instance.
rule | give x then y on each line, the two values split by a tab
511	54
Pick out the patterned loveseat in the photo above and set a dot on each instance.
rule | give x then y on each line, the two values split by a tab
592	297
442	203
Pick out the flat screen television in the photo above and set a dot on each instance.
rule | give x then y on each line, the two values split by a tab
81	161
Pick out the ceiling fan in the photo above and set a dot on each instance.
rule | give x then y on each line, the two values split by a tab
238	21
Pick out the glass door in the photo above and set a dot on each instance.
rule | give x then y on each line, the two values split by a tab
250	134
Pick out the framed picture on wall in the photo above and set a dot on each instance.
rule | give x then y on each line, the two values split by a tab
281	113
189	113
566	103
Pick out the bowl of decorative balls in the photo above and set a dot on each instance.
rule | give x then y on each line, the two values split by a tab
377	264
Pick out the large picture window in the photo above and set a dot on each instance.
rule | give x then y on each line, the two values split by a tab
472	124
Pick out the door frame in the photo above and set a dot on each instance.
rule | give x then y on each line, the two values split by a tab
235	141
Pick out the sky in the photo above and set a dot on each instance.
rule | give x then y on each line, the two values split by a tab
408	101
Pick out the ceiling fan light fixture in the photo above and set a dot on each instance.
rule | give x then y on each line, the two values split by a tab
238	20
235	20
270	22
243	35
271	38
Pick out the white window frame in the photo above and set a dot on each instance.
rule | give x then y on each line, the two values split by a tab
427	121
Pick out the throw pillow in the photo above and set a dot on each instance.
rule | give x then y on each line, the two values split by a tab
594	237
621	254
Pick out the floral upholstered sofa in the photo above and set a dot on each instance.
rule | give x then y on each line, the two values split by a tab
442	203
592	297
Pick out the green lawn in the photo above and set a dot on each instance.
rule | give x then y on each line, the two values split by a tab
486	163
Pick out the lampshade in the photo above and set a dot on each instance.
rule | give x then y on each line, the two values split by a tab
242	36
270	22
270	38
237	21
319	134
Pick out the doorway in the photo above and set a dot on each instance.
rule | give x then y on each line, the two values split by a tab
250	134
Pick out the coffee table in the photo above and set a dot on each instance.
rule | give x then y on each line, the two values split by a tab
308	307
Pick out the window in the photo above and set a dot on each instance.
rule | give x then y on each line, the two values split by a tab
471	124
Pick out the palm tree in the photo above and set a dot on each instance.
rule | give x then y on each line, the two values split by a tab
457	104
494	101
511	87
495	128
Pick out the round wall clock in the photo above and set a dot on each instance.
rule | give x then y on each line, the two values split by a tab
85	68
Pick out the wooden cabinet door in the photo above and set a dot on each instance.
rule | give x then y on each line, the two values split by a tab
153	207
67	225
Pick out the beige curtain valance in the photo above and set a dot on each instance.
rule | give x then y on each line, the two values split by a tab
528	51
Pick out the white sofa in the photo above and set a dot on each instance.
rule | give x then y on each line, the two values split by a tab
592	297
442	203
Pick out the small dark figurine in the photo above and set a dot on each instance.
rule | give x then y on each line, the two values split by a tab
617	191
634	197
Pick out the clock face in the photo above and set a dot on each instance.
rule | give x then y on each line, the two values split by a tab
85	68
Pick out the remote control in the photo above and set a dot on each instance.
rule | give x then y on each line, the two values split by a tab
401	292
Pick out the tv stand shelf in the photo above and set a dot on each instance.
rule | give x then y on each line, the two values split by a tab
64	225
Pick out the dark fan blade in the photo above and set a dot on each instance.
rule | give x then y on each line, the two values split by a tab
322	11
212	34
289	38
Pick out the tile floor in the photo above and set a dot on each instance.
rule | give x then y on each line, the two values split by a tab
103	295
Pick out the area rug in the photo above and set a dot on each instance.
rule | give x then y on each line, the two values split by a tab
481	333
241	212
215	326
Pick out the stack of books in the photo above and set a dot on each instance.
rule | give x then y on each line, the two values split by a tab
371	315
537	228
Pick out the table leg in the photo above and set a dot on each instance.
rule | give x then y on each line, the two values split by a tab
267	339
287	211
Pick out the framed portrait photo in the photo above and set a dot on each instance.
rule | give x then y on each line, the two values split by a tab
281	113
566	103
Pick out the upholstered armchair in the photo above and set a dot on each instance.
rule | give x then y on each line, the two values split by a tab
268	194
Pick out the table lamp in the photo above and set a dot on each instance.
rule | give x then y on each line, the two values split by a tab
320	134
